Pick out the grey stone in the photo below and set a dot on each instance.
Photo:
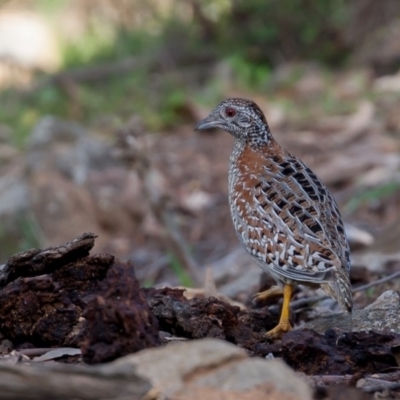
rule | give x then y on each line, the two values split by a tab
182	368
382	314
253	372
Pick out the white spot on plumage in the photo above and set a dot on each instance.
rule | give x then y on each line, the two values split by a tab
321	266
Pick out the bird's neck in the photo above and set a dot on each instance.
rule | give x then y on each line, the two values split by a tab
258	139
259	136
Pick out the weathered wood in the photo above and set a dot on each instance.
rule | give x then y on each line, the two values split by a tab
36	262
209	317
47	291
46	310
119	321
340	353
65	382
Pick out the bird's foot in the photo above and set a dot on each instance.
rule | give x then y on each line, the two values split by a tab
279	330
273	291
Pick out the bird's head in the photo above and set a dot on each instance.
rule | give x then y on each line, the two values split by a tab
240	117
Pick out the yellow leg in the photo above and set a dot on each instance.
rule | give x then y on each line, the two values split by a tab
284	322
266	294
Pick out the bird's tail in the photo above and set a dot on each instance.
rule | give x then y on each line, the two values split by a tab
340	290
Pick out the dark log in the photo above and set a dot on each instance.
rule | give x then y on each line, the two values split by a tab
339	353
119	321
36	262
46	310
210	317
47	291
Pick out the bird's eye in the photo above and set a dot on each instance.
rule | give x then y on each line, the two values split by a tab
230	112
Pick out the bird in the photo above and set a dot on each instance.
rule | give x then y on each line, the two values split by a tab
284	216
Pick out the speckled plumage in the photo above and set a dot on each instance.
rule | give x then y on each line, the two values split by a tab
284	216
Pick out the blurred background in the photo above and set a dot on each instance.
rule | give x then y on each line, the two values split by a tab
98	99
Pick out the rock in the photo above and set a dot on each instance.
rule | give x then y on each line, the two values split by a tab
214	369
382	314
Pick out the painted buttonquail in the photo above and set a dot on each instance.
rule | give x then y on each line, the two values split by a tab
284	216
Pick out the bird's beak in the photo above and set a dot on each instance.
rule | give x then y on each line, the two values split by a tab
207	123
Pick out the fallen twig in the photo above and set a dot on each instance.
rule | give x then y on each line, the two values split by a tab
329	379
377	282
35	352
378	385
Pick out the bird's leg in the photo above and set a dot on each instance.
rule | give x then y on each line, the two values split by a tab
266	294
284	322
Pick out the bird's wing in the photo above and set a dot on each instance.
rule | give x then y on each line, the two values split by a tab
295	226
